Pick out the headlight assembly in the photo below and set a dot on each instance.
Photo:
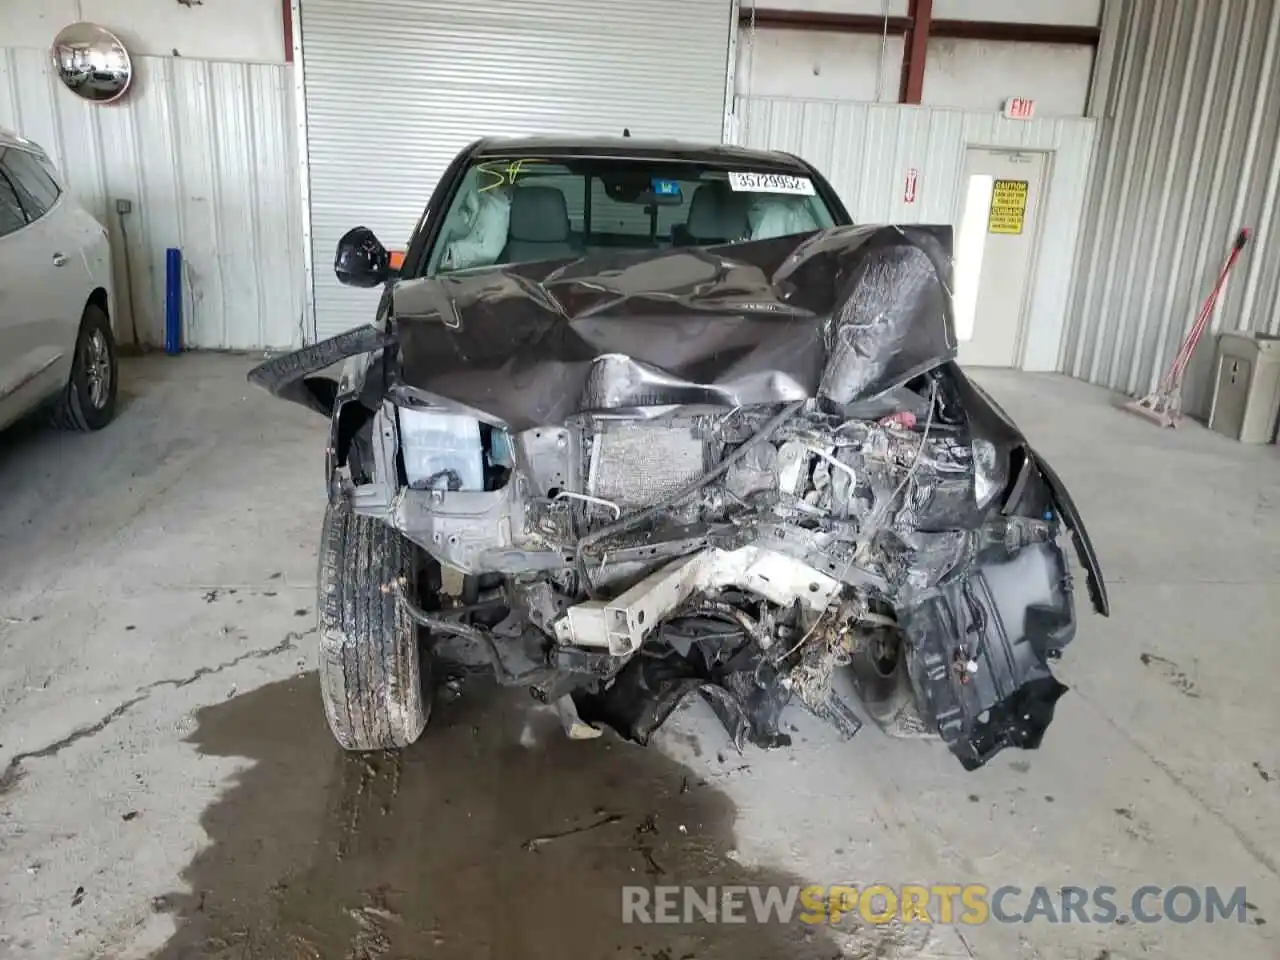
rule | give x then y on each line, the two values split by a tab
990	471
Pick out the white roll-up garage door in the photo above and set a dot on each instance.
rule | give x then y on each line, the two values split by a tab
394	88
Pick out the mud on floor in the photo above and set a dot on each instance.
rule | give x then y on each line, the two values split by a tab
318	854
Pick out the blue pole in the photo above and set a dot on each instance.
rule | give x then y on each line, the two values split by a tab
173	301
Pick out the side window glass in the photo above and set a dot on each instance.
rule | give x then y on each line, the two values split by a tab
11	217
36	189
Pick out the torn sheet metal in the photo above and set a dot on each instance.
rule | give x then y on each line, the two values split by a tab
291	376
845	314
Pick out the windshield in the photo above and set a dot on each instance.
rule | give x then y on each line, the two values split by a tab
520	210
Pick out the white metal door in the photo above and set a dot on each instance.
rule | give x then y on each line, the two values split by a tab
36	338
44	281
995	253
394	90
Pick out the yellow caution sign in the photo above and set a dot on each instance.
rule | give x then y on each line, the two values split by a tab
1008	206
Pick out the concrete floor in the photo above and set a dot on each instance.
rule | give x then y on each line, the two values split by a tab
169	788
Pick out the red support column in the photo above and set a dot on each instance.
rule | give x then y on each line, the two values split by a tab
914	51
287	9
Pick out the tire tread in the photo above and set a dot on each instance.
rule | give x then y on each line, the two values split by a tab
371	674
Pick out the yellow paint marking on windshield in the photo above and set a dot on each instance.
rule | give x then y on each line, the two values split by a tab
500	175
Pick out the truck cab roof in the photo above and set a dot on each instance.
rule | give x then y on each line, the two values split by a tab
639	149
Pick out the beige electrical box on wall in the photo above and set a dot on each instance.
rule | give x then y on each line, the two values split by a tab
1246	394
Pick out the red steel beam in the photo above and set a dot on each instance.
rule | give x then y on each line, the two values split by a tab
915	51
287	12
1052	33
1026	32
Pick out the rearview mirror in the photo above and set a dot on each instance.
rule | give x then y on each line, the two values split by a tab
361	260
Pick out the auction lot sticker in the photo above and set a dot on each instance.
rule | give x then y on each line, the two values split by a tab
770	183
1008	206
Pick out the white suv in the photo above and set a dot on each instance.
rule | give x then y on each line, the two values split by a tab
55	297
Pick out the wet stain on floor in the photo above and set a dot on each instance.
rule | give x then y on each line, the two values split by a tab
462	846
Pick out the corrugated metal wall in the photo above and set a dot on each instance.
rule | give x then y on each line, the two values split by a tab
1187	156
395	89
205	153
865	151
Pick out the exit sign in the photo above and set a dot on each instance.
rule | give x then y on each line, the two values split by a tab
1019	108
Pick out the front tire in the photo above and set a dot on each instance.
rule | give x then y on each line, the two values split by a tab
88	401
374	681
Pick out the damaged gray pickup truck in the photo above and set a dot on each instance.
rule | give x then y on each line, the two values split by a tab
637	421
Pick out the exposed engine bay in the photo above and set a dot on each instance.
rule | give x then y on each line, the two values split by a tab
732	471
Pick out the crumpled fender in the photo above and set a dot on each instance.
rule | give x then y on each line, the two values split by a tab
988	419
291	376
1079	536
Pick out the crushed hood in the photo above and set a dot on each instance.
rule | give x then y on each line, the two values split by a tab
844	314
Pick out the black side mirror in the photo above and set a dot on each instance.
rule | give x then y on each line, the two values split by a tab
361	261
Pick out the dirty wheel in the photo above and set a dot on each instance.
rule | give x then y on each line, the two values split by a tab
88	402
374	681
